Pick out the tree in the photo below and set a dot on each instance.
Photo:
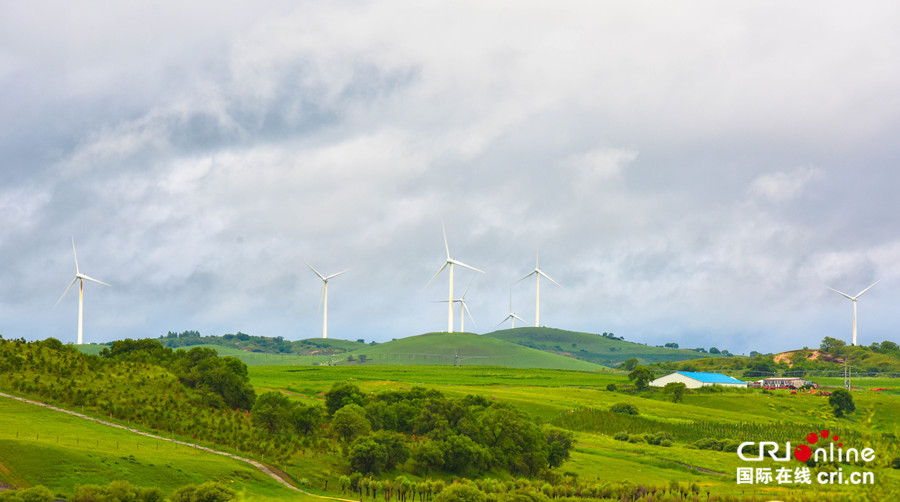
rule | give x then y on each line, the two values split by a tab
713	350
629	364
676	389
306	419
829	344
671	345
341	394
367	456
458	492
841	402
350	422
641	376
272	412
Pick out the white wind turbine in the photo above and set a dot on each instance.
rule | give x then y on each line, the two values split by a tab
325	279
537	273
80	278
465	308
853	299
450	262
512	315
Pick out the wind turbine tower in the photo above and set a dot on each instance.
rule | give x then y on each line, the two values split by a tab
853	299
79	278
325	279
537	273
465	308
448	263
512	315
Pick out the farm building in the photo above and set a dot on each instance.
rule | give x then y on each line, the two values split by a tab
784	383
695	380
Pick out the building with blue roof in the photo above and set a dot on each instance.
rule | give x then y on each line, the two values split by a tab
694	380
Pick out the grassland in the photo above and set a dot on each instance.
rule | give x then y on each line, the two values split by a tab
465	349
554	395
593	348
39	446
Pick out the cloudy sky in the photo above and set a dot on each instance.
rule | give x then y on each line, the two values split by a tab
690	172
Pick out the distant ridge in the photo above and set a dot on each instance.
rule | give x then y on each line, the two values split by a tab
465	349
597	349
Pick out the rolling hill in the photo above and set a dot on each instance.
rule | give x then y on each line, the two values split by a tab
465	349
592	348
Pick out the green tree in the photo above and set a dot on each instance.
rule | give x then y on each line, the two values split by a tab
341	394
841	402
641	376
829	344
458	492
677	390
272	412
350	422
306	419
211	491
629	364
367	456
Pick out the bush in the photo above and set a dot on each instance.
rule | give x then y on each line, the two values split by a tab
624	409
611	387
621	436
841	402
461	493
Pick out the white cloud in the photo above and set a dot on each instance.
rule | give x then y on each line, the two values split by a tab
784	186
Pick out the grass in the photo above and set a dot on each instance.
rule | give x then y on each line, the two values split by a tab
39	446
465	349
590	347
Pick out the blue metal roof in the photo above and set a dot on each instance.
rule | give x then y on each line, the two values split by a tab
710	377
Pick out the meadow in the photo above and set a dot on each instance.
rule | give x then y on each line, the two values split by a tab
666	448
44	447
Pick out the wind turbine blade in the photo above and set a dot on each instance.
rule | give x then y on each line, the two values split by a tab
845	295
466	308
94	280
501	322
66	291
548	277
438	273
870	287
514	316
467	287
74	253
314	270
461	264
337	274
446	246
526	277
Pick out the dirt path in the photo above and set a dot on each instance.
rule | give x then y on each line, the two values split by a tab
259	466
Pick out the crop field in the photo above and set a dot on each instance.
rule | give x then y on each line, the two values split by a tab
580	402
39	446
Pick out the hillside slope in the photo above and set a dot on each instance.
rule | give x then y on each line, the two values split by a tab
466	349
589	347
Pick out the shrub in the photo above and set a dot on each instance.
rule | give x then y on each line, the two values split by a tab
611	387
624	409
621	436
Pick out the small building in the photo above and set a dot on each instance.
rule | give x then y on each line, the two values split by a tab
785	383
694	380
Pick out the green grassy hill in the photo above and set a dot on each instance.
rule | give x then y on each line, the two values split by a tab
39	446
593	348
465	349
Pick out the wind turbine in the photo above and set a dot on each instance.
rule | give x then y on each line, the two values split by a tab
450	262
465	308
80	278
512	315
853	299
537	273
325	279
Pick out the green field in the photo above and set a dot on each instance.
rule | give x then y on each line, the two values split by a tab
39	446
564	396
465	349
594	348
